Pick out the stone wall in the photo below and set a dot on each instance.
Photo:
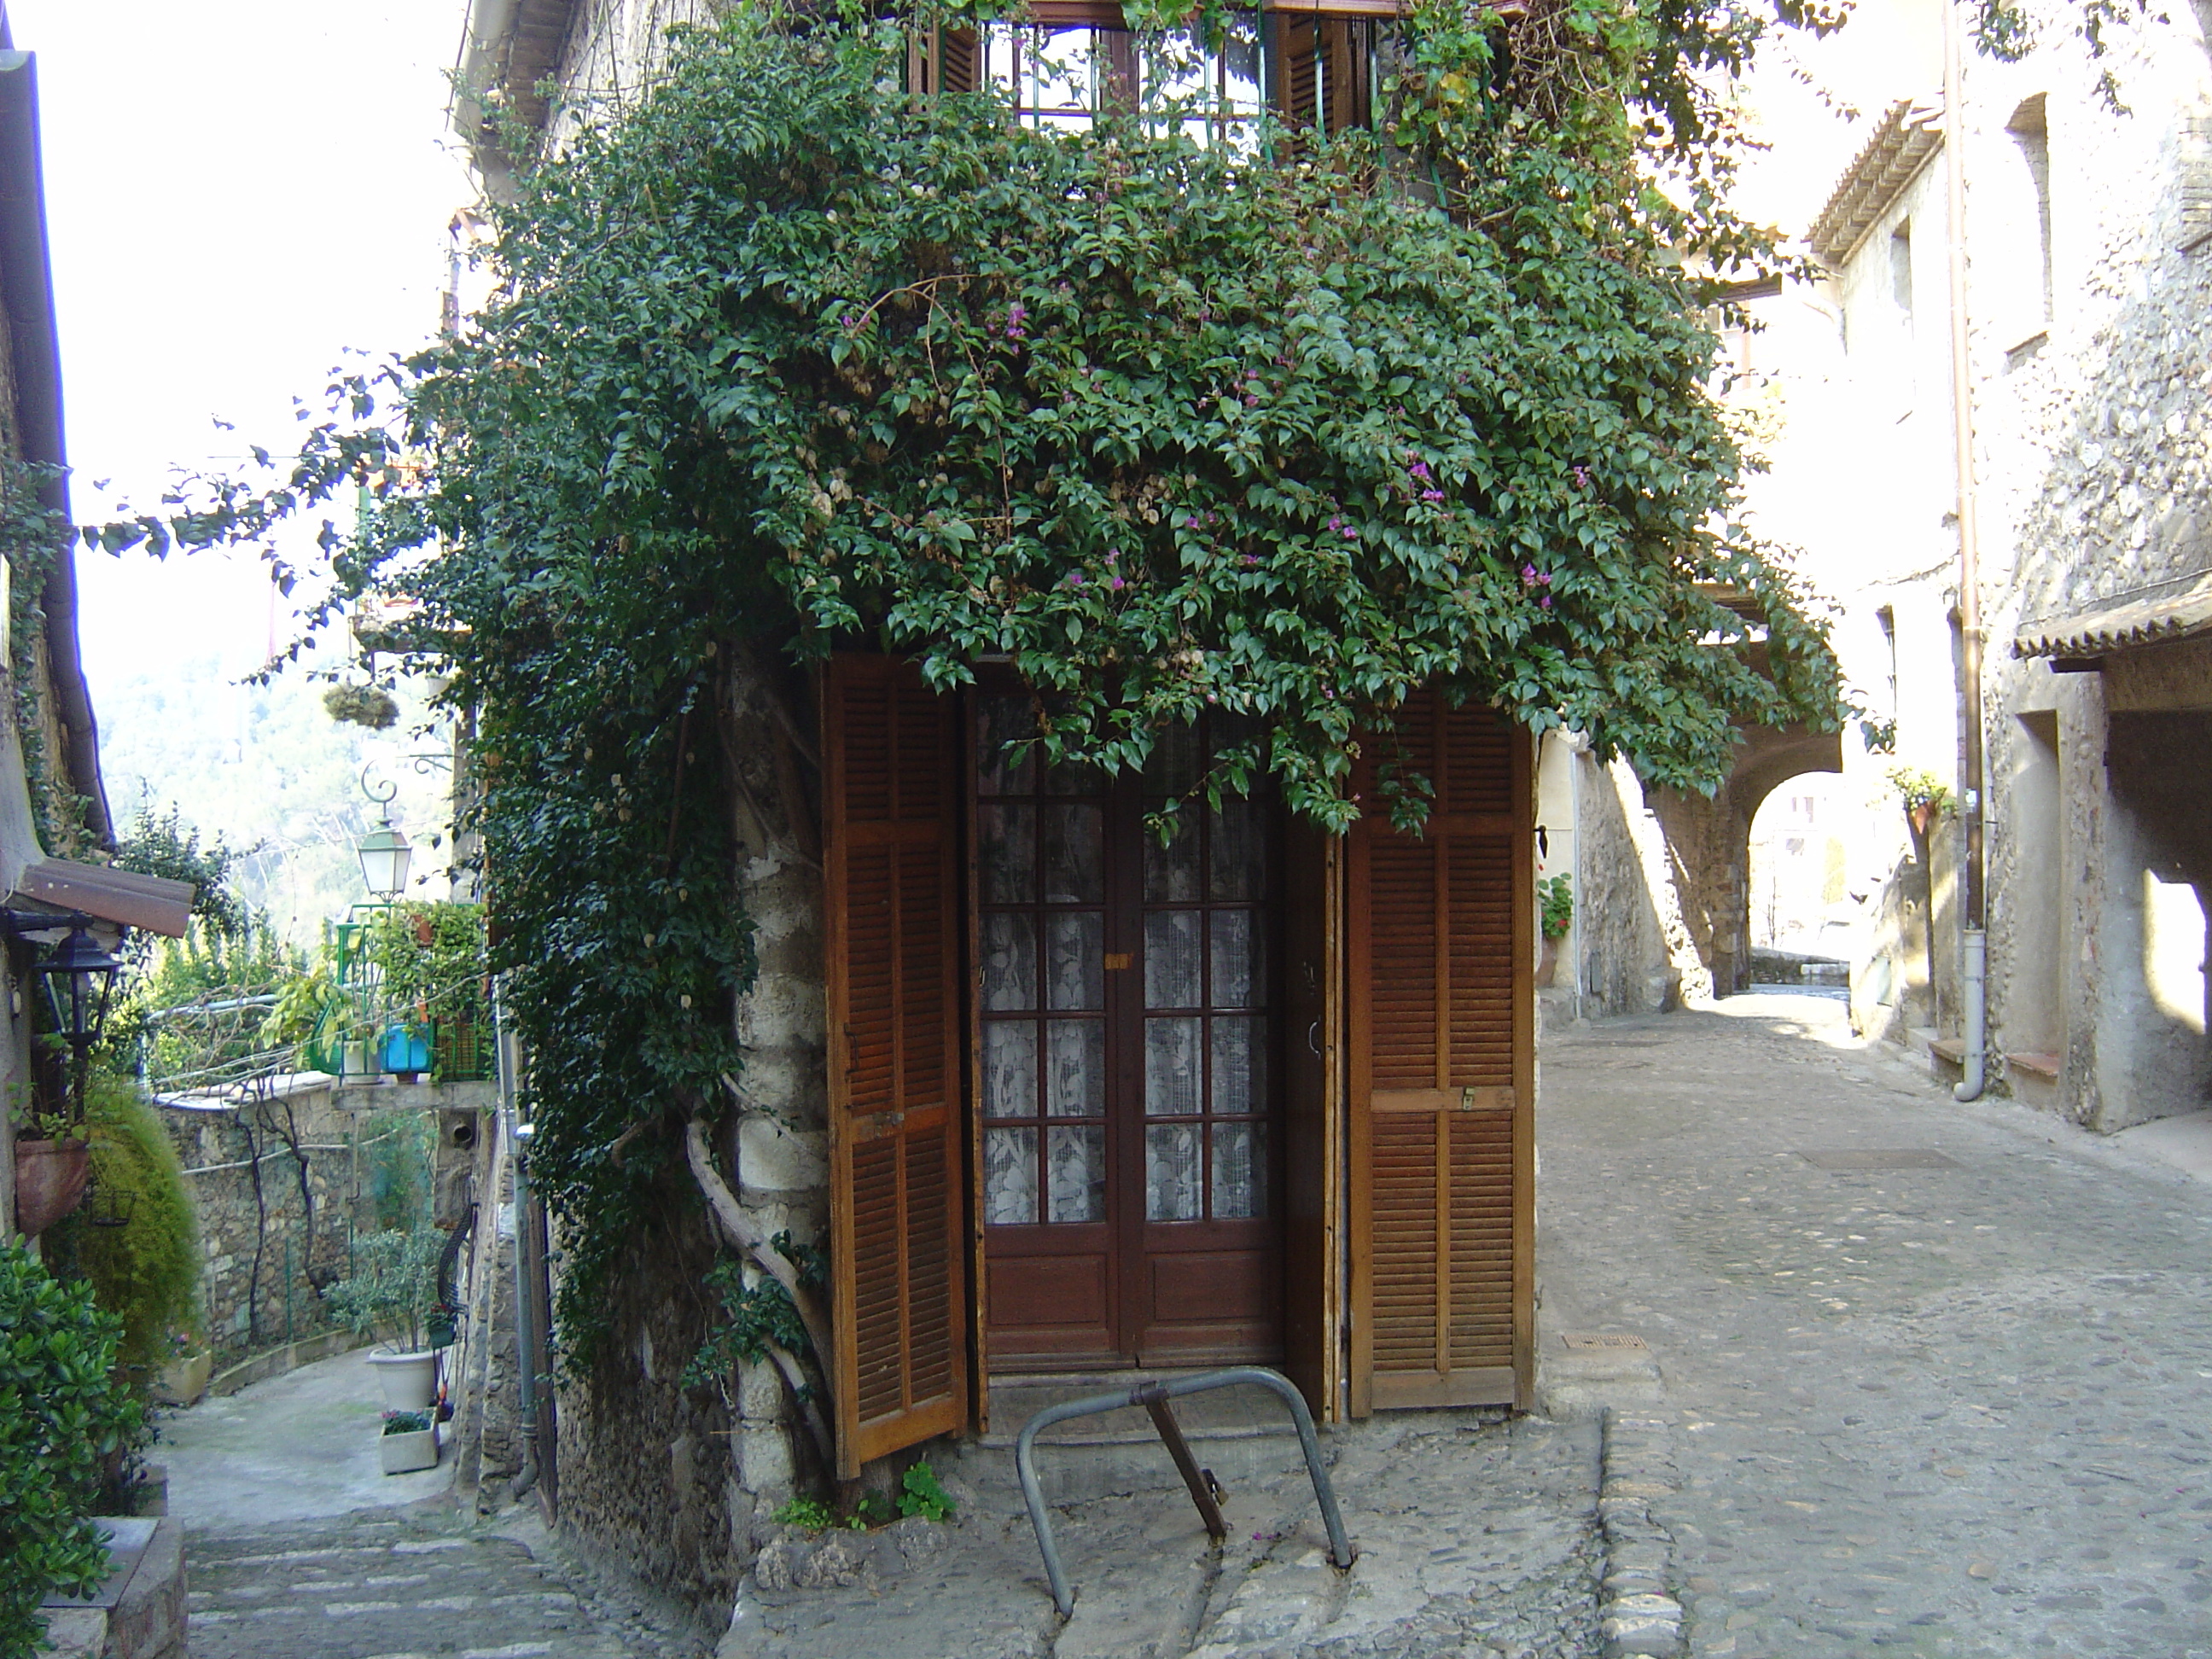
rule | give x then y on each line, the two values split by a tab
681	1483
1627	946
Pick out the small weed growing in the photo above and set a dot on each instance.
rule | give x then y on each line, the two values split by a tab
808	1514
920	1494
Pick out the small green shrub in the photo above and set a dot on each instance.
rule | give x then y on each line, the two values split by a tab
394	1281
63	1417
406	1422
146	1271
1557	899
920	1494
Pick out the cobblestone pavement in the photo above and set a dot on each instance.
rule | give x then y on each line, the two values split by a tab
1476	1540
1955	1405
409	1584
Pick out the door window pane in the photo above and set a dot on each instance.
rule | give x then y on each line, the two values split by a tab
1074	869
1009	948
1075	1171
1010	1068
1236	976
1172	1067
1171	958
1240	1170
1010	1195
1000	721
1005	852
1240	1064
1171	871
1075	1068
1173	766
1171	1172
1075	959
1239	861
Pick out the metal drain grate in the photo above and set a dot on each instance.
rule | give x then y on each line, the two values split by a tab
1852	1160
1603	1339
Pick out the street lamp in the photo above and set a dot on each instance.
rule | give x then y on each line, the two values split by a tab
384	850
77	977
383	856
79	981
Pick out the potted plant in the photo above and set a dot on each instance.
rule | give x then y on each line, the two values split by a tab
52	1164
394	1286
1555	903
183	1376
1924	797
409	1441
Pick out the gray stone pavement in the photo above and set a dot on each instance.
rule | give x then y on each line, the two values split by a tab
297	1546
1476	1537
1942	1388
408	1583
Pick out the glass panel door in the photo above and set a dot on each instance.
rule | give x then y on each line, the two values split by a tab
1125	1058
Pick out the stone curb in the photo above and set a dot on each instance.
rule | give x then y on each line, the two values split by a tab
1637	1612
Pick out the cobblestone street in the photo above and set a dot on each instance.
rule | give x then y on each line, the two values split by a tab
405	1584
1939	1375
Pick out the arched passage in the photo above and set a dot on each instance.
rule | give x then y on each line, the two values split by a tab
1709	842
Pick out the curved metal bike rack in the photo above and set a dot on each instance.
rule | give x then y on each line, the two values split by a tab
1154	1397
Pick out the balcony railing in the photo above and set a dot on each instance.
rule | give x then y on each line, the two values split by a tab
364	1030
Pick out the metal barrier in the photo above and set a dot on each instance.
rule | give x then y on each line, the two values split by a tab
1204	1492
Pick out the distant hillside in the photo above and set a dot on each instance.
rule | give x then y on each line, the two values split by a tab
264	766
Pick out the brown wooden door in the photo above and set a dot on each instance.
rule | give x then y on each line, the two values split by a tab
1441	1038
892	941
1129	1062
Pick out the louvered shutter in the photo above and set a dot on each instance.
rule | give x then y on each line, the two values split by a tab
1324	67
1441	1038
890	939
944	59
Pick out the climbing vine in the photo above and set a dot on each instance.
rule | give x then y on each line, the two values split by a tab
781	359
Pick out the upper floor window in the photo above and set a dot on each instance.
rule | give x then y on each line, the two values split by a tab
1078	61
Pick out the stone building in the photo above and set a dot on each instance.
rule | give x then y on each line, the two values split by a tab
2086	231
1061	1108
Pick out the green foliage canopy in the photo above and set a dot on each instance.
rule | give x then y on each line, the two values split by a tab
782	359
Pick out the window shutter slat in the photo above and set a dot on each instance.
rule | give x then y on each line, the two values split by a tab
891	903
1440	1027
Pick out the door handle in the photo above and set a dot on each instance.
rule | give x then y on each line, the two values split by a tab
1313	1037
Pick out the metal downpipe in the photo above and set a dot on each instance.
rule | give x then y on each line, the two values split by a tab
1973	938
1974	967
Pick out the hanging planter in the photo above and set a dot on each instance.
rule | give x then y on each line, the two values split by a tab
49	1181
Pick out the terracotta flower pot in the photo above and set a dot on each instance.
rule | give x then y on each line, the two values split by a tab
1547	963
50	1180
1923	819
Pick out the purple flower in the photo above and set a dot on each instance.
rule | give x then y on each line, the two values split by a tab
1075	579
1545	602
1582	476
1190	522
1336	524
1527	575
1117	585
1250	561
1351	534
1419	468
1546	578
851	319
1432	495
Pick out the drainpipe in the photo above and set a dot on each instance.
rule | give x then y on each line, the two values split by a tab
1974	938
525	1347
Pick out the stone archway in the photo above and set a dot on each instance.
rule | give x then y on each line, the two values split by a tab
1709	842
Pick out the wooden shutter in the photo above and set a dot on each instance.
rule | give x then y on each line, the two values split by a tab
891	944
1313	1118
1442	1071
949	59
1324	69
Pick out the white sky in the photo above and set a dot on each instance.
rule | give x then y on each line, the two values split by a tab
237	192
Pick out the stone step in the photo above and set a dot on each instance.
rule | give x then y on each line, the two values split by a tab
1241	1433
